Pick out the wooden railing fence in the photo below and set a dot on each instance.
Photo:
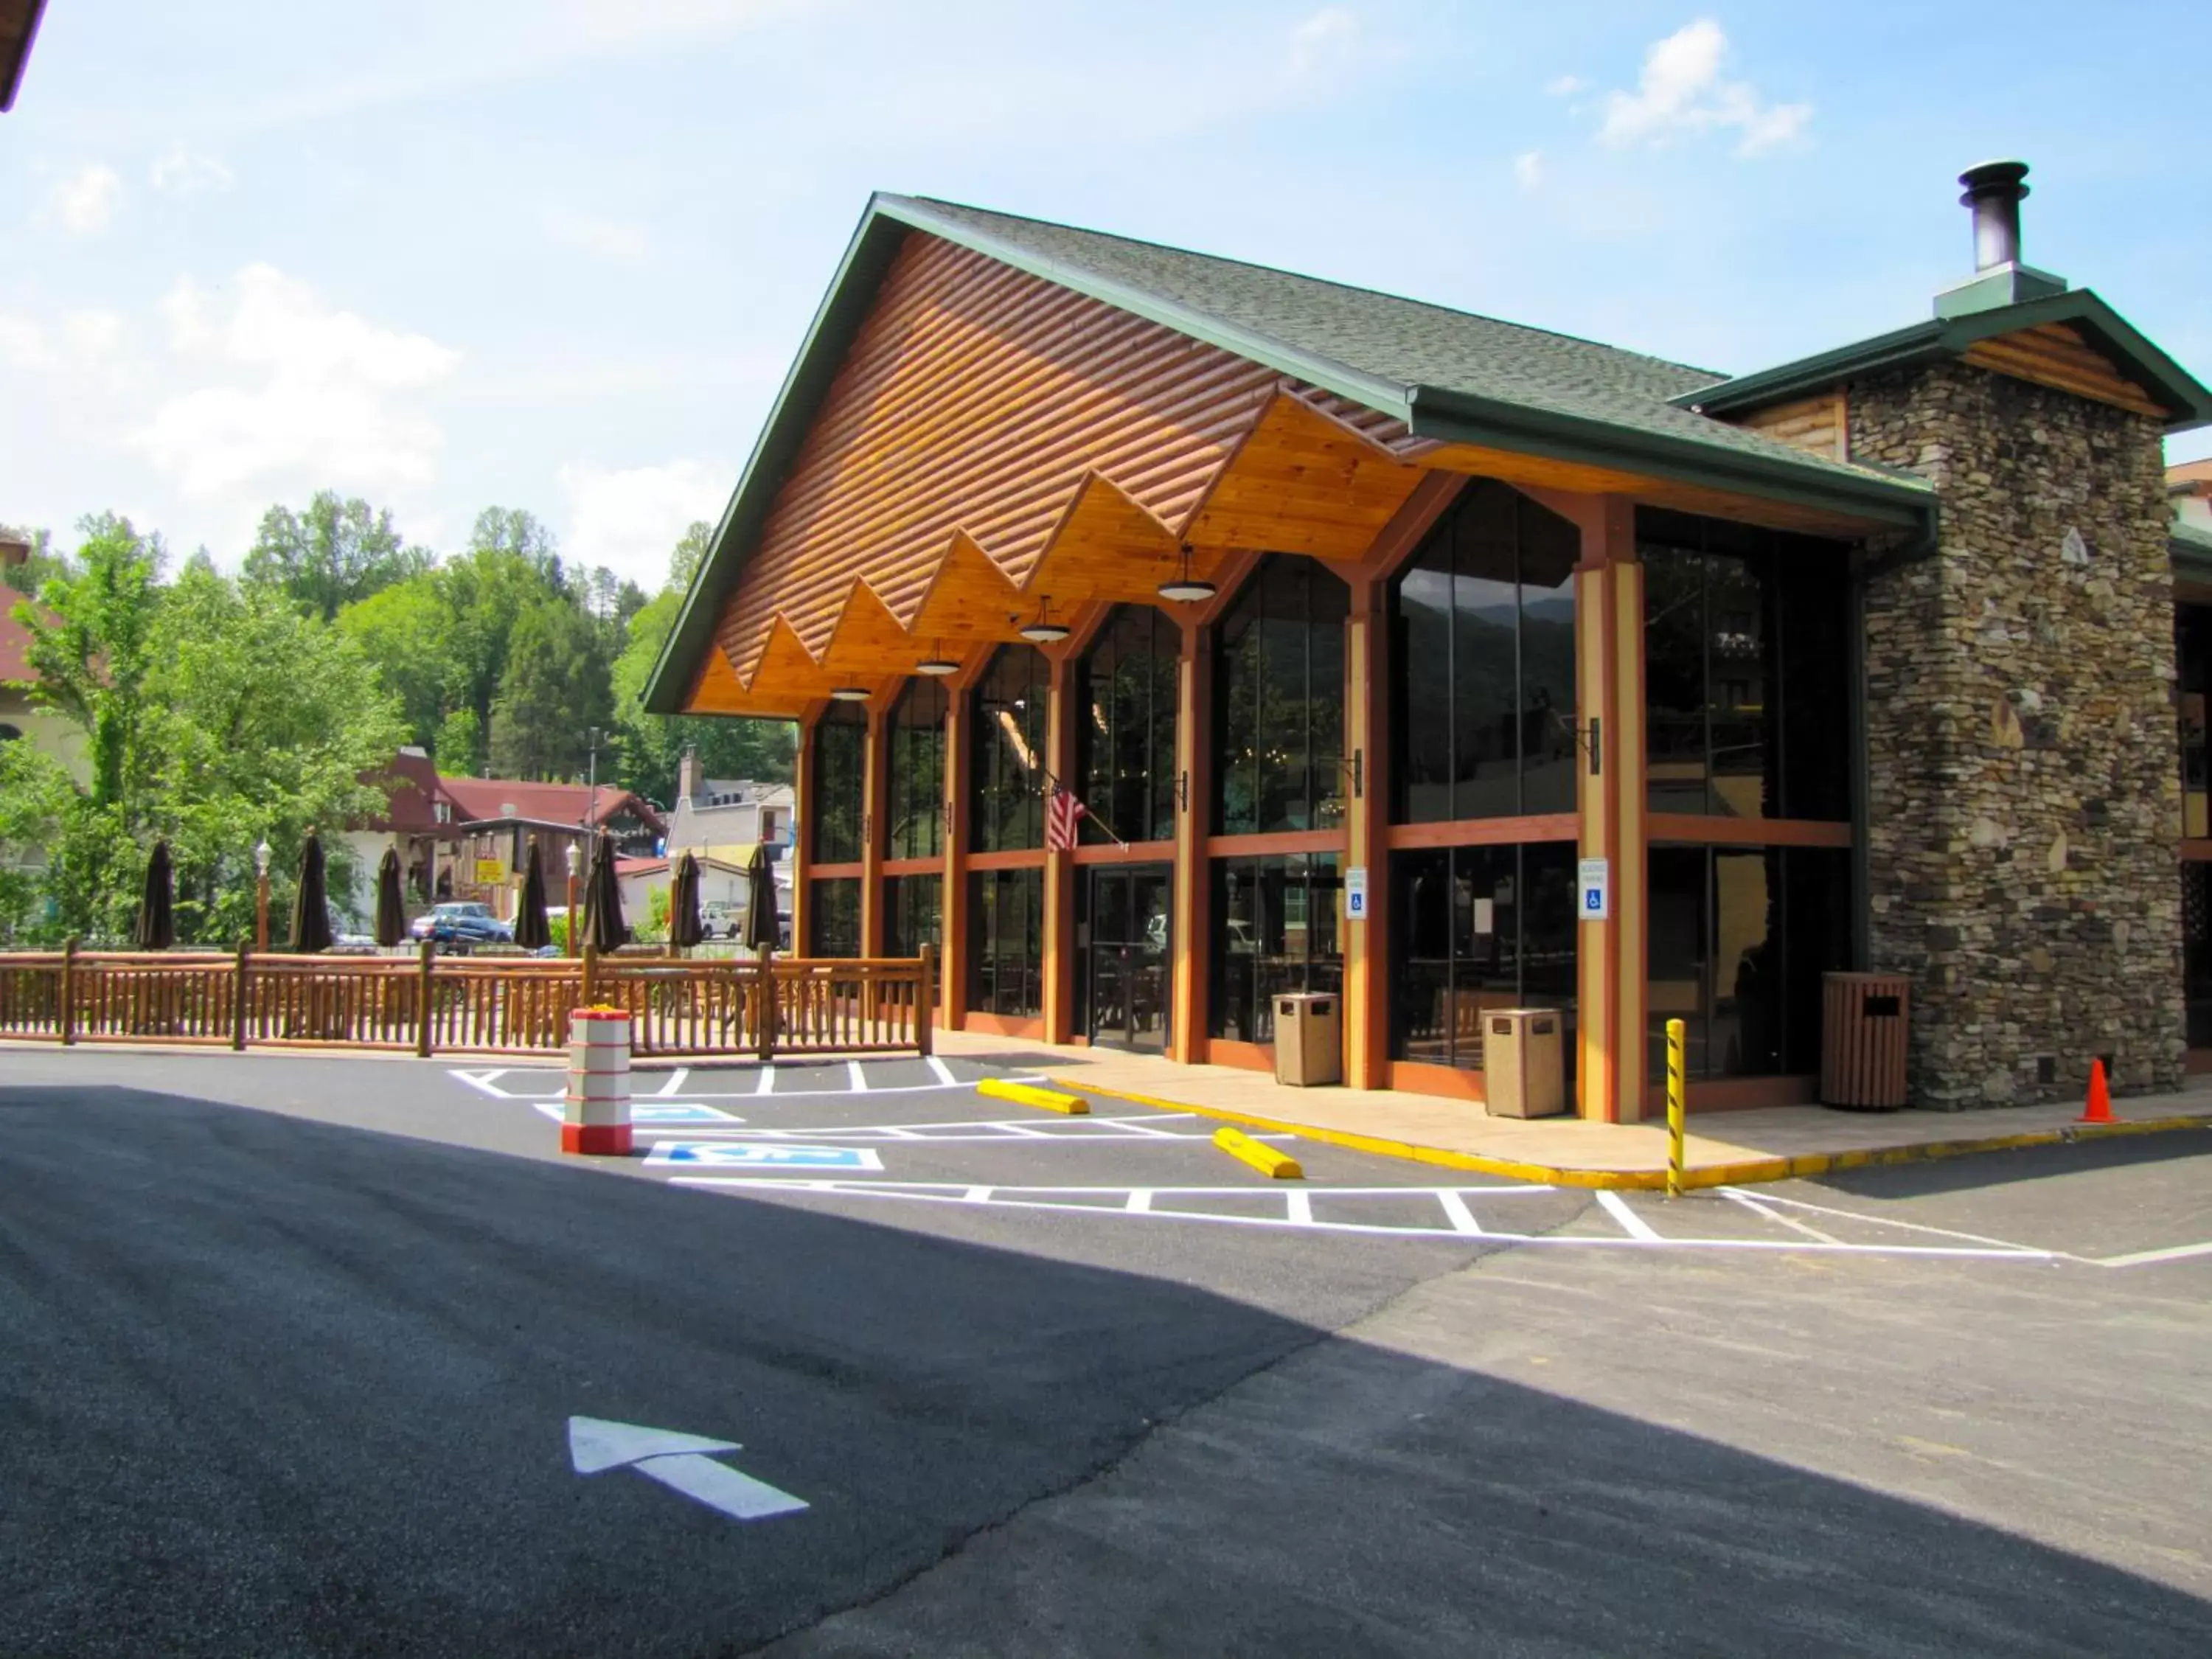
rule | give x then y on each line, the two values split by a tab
428	1004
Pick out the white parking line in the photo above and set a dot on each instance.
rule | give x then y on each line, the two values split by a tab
675	1083
944	1073
1455	1210
1631	1223
2145	1258
765	1086
1790	1221
859	1077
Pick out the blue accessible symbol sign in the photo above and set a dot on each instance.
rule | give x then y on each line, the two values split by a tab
762	1155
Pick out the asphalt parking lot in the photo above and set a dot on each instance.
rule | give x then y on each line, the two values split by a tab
368	1367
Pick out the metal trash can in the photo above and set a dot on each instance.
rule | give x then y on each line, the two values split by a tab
1309	1038
1865	1020
1524	1062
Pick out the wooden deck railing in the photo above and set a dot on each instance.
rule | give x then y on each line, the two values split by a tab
427	1004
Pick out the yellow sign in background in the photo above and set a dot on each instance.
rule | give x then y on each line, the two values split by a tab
491	872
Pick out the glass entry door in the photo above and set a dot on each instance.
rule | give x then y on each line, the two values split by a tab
1129	956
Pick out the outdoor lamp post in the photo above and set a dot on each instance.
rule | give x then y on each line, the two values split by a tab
575	863
261	857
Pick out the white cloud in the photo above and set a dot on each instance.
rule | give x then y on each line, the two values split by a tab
181	172
1565	86
628	520
86	201
93	333
1529	168
23	343
612	241
1324	41
1681	91
307	395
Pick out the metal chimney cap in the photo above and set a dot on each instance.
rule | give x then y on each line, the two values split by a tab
2003	181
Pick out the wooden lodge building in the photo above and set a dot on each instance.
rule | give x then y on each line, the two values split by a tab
1362	627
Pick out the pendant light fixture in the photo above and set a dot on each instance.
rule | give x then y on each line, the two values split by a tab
1044	631
937	664
1183	588
849	694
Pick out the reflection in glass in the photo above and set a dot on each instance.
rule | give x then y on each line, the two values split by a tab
1275	930
912	908
917	775
1011	707
1279	702
1483	927
1125	711
1005	929
2193	659
841	754
833	919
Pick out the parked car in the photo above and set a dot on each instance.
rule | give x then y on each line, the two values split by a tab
720	918
462	921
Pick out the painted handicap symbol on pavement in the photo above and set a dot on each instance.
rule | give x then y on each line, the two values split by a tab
662	1113
762	1155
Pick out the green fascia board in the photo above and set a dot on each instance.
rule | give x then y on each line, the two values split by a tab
1889	497
2160	375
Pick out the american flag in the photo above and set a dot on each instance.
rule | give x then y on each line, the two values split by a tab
1060	811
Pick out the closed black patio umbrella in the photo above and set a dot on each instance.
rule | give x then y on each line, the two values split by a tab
531	931
391	907
761	931
603	916
684	930
311	905
157	926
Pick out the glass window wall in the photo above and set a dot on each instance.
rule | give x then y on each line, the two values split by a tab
1005	941
833	921
1747	670
1012	708
840	762
916	807
1740	938
1479	928
1279	702
1483	649
2192	628
1126	709
1275	930
913	914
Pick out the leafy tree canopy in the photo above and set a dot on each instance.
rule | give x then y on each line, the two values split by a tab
331	554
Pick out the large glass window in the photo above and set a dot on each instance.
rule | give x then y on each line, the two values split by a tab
1479	928
1011	709
1275	930
1747	670
1279	702
916	807
913	914
841	767
1005	942
1483	660
2192	640
833	921
1125	732
1740	938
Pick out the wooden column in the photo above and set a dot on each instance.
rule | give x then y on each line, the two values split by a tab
1366	944
1193	876
875	799
1609	805
802	860
953	916
1060	868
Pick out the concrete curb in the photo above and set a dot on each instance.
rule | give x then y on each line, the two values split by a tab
1748	1173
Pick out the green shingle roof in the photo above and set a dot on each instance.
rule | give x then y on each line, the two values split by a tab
1442	371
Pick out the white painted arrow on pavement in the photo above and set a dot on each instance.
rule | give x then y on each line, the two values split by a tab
679	1461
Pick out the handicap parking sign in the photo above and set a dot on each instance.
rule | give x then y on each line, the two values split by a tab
762	1155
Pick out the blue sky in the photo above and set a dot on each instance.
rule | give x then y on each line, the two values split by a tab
557	254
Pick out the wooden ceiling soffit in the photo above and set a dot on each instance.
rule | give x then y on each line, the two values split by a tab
868	642
787	671
968	599
720	691
1302	481
1576	477
2056	356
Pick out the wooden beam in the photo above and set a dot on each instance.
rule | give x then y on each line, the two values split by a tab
953	913
1059	966
1187	1041
1365	943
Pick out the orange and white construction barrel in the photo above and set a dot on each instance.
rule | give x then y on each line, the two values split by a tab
597	1120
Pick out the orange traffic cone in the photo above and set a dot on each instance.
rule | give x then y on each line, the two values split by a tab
2100	1098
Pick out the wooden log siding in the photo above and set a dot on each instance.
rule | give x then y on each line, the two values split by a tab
2056	356
978	401
498	1005
1815	424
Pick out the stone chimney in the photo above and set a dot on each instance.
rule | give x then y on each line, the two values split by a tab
2023	795
688	781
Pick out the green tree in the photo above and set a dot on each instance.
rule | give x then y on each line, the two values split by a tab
42	566
554	690
410	633
652	745
92	650
333	554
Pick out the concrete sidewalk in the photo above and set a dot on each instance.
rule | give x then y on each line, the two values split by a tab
1723	1148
